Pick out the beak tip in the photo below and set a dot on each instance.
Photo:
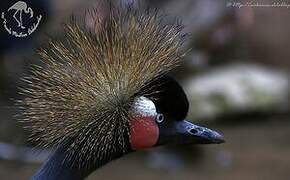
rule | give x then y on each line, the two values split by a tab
218	138
221	141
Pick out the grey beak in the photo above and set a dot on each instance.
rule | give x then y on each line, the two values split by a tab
201	135
185	132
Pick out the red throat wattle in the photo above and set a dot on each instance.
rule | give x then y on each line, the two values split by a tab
144	132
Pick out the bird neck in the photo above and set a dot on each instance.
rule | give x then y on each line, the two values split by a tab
57	168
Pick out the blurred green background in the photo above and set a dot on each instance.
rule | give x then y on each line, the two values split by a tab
236	76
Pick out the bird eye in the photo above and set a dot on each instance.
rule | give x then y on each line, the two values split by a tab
159	118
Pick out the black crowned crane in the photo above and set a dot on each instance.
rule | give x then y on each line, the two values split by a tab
98	95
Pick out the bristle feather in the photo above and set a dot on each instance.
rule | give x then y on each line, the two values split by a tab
83	89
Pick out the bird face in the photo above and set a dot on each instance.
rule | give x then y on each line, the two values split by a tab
144	130
162	120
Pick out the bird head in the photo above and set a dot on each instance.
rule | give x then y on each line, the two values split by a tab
161	120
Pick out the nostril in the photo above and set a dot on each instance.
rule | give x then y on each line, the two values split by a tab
193	131
199	129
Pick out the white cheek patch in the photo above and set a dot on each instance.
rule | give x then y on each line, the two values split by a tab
143	107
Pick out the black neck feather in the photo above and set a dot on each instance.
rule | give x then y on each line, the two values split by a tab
57	167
